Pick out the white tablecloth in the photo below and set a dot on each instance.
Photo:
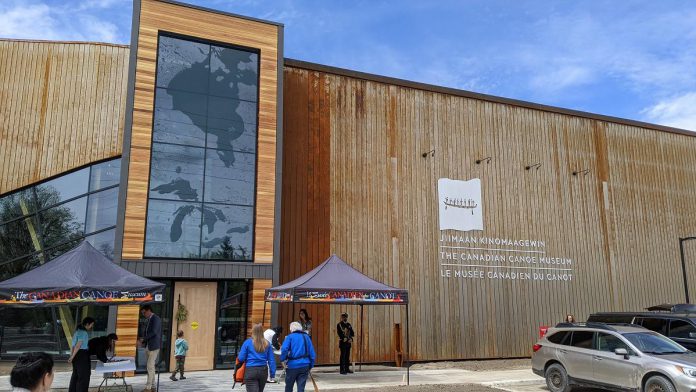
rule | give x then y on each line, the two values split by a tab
127	365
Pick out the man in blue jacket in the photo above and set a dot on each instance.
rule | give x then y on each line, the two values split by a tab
298	351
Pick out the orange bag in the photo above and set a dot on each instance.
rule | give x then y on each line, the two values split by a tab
239	369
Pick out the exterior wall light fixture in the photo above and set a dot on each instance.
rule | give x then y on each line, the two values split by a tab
487	159
534	166
431	153
583	172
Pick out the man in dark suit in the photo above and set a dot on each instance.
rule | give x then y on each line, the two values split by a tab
152	340
345	341
99	346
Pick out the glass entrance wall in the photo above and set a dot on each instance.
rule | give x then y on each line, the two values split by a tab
231	321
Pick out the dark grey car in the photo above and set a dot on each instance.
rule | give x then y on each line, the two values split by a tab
677	325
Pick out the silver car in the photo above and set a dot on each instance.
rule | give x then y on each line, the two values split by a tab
613	357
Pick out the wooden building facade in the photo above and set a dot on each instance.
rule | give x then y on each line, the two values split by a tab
608	198
580	212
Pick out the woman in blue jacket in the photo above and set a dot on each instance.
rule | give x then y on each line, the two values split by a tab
258	355
298	351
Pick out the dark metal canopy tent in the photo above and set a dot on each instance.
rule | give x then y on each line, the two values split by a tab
81	276
336	282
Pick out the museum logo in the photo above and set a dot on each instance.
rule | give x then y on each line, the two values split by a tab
460	204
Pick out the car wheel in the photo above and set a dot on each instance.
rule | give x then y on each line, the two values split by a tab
557	378
659	384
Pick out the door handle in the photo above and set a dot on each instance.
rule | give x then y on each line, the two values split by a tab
597	358
564	351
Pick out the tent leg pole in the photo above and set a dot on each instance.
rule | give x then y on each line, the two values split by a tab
408	351
263	318
159	362
362	317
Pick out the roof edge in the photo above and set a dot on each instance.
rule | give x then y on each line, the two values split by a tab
45	41
484	97
219	12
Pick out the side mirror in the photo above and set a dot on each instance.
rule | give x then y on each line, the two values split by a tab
621	351
692	335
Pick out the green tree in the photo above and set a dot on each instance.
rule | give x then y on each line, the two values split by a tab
23	236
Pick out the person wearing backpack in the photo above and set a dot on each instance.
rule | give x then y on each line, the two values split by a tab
257	354
298	351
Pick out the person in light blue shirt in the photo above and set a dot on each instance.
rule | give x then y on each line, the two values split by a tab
79	357
298	350
180	350
257	352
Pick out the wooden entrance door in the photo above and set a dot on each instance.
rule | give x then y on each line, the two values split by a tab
200	300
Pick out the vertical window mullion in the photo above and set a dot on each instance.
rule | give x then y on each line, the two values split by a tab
89	196
205	152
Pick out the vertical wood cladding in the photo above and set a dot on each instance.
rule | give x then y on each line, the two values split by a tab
159	16
61	107
128	317
372	199
256	304
305	219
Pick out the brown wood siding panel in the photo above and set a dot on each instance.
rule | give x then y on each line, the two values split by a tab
127	318
619	223
159	16
306	191
58	108
257	289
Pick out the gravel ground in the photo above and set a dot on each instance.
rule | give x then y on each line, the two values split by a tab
487	365
426	388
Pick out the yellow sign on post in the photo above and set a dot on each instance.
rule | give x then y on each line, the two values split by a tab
194	325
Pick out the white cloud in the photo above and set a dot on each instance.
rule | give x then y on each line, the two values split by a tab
580	48
678	111
27	21
561	78
98	30
86	21
92	4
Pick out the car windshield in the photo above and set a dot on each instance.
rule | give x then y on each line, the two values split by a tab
654	343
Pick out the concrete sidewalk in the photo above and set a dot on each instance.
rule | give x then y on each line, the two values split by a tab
327	378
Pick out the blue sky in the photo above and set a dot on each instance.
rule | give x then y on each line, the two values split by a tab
630	59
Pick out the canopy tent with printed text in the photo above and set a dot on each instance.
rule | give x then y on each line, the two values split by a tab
334	282
81	276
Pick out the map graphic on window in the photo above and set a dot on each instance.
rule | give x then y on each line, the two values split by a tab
203	166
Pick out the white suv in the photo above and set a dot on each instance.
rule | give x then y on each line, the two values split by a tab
613	357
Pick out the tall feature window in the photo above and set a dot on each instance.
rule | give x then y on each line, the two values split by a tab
40	223
203	165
